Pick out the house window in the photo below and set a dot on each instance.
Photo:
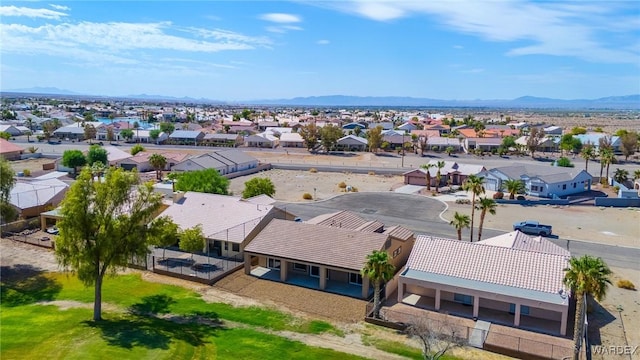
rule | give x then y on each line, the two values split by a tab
273	263
564	187
314	271
397	251
534	187
524	310
574	185
464	299
300	267
235	247
355	278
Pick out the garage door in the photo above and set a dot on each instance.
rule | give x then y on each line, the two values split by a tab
417	180
491	184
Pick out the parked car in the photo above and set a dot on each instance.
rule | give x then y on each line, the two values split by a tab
52	230
533	227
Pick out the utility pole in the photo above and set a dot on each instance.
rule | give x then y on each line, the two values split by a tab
403	132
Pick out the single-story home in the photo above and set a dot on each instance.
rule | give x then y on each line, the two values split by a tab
231	140
11	130
228	223
452	171
482	143
186	137
225	161
262	140
140	160
513	279
291	140
325	253
540	180
9	150
352	143
76	131
30	198
115	155
442	143
594	138
546	144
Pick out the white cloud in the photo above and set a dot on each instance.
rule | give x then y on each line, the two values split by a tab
281	29
281	18
575	29
30	12
459	47
60	7
322	42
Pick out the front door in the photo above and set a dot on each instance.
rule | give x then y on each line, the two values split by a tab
217	248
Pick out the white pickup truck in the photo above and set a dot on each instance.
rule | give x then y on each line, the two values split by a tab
533	227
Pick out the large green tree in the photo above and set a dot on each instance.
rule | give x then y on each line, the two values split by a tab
127	134
205	181
90	132
374	138
104	224
587	277
534	139
310	135
258	186
378	269
460	221
485	205
474	184
329	136
628	144
7	181
192	240
167	127
73	159
97	154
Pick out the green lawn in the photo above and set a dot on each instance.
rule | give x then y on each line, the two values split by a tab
31	330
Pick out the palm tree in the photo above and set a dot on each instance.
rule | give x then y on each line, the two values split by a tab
587	153
606	159
621	175
636	174
427	167
136	127
378	269
485	205
586	276
460	221
158	162
439	165
513	187
29	123
473	184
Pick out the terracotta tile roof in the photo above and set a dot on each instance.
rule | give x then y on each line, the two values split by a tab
468	133
518	240
317	244
498	265
9	147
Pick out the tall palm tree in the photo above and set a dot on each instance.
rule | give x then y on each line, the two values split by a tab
427	167
439	165
513	187
378	269
586	276
486	205
460	221
473	184
587	153
158	162
610	158
606	158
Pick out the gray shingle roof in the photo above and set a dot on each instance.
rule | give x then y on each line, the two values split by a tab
337	247
235	155
346	220
548	174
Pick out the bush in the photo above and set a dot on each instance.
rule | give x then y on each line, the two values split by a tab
564	162
354	189
372	172
625	284
26	172
313	170
616	188
499	195
463	201
136	149
342	185
307	196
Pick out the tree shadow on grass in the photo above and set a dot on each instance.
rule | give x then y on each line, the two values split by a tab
152	332
25	284
155	304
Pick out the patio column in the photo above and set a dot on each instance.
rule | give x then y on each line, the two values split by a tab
43	223
476	306
400	290
437	299
247	264
283	270
365	287
323	277
563	321
516	317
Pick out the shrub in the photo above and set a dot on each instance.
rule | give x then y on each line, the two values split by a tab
26	172
625	284
463	201
616	188
342	185
564	162
313	170
499	195
354	189
32	149
307	196
136	149
372	172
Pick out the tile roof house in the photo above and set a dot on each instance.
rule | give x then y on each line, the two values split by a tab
186	137
539	180
352	143
228	223
452	171
30	198
225	161
291	140
513	280
326	252
140	160
9	150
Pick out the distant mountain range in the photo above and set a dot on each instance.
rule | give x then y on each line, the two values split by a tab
631	102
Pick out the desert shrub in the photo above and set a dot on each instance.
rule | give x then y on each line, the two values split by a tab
499	195
463	201
26	172
342	185
372	172
616	188
354	189
136	149
313	170
625	284
32	149
307	196
564	162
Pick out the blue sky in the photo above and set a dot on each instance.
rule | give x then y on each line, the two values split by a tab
247	50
